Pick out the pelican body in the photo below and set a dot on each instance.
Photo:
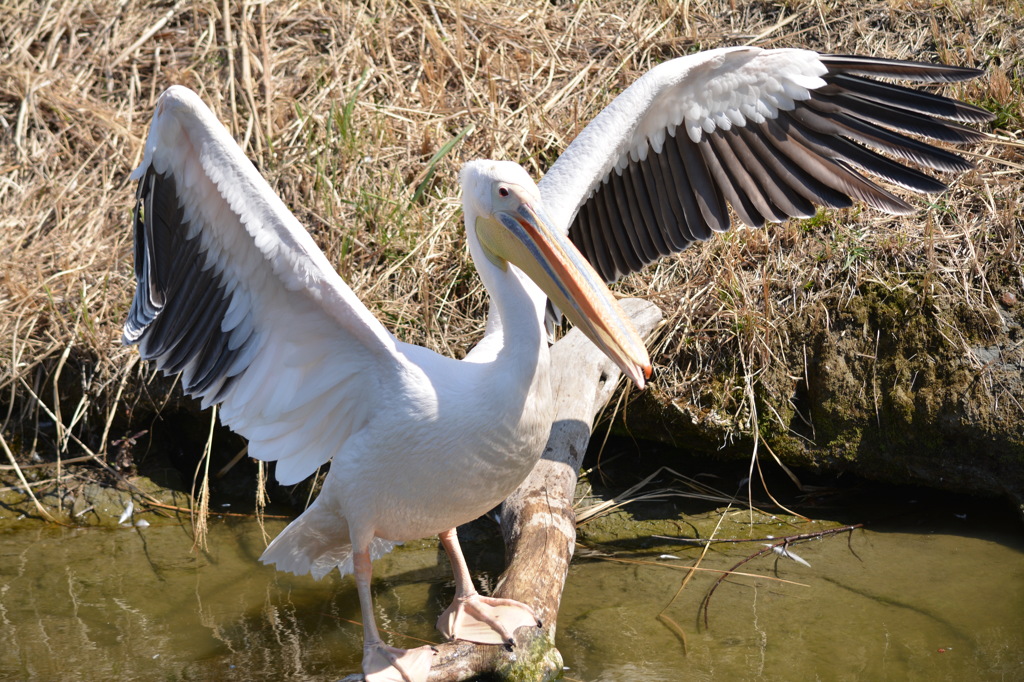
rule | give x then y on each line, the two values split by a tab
234	295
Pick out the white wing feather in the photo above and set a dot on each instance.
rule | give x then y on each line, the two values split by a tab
700	92
298	361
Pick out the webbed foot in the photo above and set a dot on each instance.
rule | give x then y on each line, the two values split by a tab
383	663
485	620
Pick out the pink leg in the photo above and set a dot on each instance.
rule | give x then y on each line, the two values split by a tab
473	617
383	663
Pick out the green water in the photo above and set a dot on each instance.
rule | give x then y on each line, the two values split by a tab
924	595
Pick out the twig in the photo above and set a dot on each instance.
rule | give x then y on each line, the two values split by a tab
234	460
92	455
21	477
44	465
783	543
190	510
725	573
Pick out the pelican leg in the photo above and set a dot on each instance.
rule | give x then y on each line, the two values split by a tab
474	617
383	663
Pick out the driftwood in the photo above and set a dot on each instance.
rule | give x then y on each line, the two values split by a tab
537	520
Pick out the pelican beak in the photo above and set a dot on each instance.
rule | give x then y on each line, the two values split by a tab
523	237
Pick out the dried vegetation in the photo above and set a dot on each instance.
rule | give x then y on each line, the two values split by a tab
360	115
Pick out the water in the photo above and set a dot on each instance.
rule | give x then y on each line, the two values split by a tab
923	594
934	603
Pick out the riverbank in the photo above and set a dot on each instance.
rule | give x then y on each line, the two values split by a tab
848	342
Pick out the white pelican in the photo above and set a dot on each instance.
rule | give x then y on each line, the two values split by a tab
233	293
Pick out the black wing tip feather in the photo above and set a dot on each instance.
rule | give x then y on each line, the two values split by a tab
143	309
176	313
909	99
902	69
856	75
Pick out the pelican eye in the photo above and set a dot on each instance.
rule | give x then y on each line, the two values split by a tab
503	191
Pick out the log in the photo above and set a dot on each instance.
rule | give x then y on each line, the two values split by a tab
538	522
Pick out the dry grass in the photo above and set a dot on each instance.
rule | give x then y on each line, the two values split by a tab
343	105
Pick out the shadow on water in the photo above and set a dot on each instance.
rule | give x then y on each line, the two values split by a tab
932	588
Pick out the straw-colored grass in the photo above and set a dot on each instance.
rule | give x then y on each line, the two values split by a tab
344	106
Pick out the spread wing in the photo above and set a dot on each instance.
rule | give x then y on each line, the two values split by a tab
771	133
234	294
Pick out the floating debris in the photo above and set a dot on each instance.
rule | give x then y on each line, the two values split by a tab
127	513
782	551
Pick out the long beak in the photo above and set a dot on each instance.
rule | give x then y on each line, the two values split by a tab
572	284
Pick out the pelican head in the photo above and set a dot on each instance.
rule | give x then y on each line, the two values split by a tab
503	208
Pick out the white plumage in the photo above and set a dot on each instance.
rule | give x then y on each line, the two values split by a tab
234	294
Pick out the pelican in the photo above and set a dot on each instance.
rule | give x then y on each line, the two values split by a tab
233	294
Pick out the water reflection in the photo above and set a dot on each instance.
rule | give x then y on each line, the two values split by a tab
139	604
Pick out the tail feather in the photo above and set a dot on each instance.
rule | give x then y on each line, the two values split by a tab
316	544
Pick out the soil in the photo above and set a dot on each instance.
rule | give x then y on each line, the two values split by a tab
894	386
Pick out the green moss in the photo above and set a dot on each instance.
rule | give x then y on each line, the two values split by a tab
539	661
620	526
